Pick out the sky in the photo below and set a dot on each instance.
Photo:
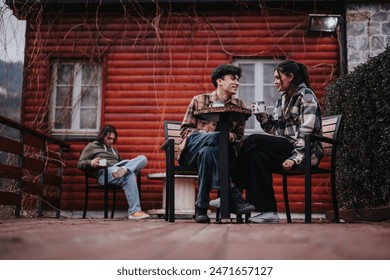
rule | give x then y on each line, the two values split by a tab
12	35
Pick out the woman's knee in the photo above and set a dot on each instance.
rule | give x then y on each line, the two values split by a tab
256	138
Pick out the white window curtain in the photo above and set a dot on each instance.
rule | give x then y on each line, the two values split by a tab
76	98
257	83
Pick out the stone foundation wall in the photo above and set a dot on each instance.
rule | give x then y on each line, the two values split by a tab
368	31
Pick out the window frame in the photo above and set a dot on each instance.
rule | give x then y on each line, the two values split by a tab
259	85
76	107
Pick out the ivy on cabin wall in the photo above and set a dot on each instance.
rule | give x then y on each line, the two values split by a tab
152	34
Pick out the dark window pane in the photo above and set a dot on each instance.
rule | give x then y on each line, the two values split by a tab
90	74
65	74
63	118
247	94
248	73
271	95
64	96
88	118
89	96
269	70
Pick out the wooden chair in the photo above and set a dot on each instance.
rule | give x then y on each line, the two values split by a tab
106	188
330	126
172	168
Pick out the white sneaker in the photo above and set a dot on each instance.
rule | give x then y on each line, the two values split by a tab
215	203
265	218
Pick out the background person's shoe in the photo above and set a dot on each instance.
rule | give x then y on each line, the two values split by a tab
139	215
201	215
265	218
120	172
215	202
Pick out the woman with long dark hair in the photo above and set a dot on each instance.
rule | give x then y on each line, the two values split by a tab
296	113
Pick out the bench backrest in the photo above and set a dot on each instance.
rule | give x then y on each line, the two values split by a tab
330	128
172	131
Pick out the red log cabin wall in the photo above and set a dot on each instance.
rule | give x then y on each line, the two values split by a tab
154	61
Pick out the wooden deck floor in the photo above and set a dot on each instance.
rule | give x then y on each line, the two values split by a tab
94	239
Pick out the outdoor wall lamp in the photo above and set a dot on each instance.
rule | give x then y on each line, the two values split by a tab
322	23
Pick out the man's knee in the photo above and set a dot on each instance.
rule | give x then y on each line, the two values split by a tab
208	156
143	159
206	152
213	139
210	138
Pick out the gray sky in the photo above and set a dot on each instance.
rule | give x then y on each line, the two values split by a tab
12	35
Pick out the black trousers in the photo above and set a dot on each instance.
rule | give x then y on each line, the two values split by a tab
259	156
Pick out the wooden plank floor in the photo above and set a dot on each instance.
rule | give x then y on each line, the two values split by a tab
93	239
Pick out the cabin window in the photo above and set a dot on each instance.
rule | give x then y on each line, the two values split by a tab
257	83
76	98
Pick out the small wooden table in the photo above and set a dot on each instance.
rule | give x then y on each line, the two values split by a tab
224	115
184	194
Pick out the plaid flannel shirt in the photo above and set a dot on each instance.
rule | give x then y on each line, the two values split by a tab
190	124
304	117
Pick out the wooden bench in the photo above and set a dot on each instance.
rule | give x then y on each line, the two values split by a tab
329	139
179	184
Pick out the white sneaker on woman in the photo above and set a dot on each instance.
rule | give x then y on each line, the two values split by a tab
215	203
265	218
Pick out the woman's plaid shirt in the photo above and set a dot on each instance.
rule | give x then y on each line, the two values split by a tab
303	117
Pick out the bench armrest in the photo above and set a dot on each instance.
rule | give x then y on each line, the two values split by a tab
167	144
321	138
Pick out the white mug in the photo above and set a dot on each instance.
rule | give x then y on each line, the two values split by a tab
218	103
258	107
102	162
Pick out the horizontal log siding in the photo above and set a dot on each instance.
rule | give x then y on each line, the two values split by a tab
154	65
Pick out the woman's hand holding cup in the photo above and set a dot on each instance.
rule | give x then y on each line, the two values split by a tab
258	107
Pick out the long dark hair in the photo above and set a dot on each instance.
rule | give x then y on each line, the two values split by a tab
301	75
105	131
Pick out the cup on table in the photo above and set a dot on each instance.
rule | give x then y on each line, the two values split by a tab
218	103
102	162
258	107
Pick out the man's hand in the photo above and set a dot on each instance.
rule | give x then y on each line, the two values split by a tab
95	162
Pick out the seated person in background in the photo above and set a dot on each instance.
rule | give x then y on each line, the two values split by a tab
120	172
200	145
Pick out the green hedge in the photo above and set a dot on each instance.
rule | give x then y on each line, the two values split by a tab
363	165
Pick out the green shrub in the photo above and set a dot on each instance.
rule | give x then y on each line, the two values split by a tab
363	163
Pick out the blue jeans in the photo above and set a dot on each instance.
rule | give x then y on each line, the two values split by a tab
128	181
203	150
